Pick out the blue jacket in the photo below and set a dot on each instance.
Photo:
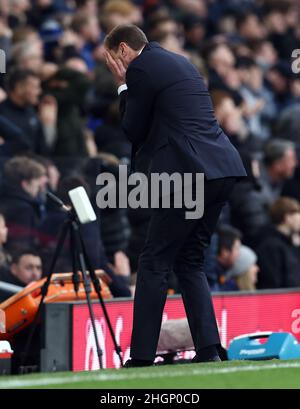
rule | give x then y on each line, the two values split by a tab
168	116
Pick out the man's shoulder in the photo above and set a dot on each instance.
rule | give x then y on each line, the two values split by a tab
146	56
159	63
152	55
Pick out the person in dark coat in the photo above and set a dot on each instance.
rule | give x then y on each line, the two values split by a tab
12	138
25	267
251	199
278	257
220	257
167	111
69	87
24	89
19	200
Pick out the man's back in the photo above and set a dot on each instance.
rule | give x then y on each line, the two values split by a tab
182	116
180	89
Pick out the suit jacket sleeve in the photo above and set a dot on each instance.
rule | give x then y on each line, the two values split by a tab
136	105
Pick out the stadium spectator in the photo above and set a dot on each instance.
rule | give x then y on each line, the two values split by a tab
117	12
4	256
87	27
69	87
17	12
197	7
24	178
249	26
44	10
28	55
161	26
87	6
259	110
281	18
243	274
280	162
52	174
278	77
223	75
278	256
247	211
229	115
24	89
221	256
288	124
194	32
250	200
25	267
264	54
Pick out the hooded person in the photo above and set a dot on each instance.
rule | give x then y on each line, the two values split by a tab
243	275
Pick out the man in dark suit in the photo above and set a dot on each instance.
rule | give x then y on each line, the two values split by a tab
168	116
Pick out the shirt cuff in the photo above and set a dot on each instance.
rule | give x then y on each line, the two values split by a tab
122	88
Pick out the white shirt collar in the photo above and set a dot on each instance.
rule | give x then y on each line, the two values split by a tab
140	52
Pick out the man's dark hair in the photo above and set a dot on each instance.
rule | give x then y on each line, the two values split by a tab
18	75
81	3
80	20
22	168
275	150
282	207
129	34
281	6
156	21
242	17
227	235
20	252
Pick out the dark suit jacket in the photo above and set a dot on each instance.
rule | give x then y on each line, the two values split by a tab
168	116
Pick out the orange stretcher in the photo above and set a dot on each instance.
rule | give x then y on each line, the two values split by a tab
20	309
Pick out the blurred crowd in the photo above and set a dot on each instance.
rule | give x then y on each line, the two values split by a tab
60	128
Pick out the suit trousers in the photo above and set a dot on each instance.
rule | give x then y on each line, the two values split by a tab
174	243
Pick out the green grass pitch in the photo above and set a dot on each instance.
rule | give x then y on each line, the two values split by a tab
234	374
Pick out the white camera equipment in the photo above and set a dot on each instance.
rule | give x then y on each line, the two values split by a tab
82	205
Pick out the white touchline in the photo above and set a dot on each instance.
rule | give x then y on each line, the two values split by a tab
124	375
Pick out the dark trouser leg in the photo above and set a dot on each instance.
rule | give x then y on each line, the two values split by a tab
188	267
168	232
193	283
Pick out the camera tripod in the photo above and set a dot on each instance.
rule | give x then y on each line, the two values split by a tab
79	258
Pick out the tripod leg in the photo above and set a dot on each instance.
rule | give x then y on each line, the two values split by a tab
97	287
87	287
44	290
75	276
